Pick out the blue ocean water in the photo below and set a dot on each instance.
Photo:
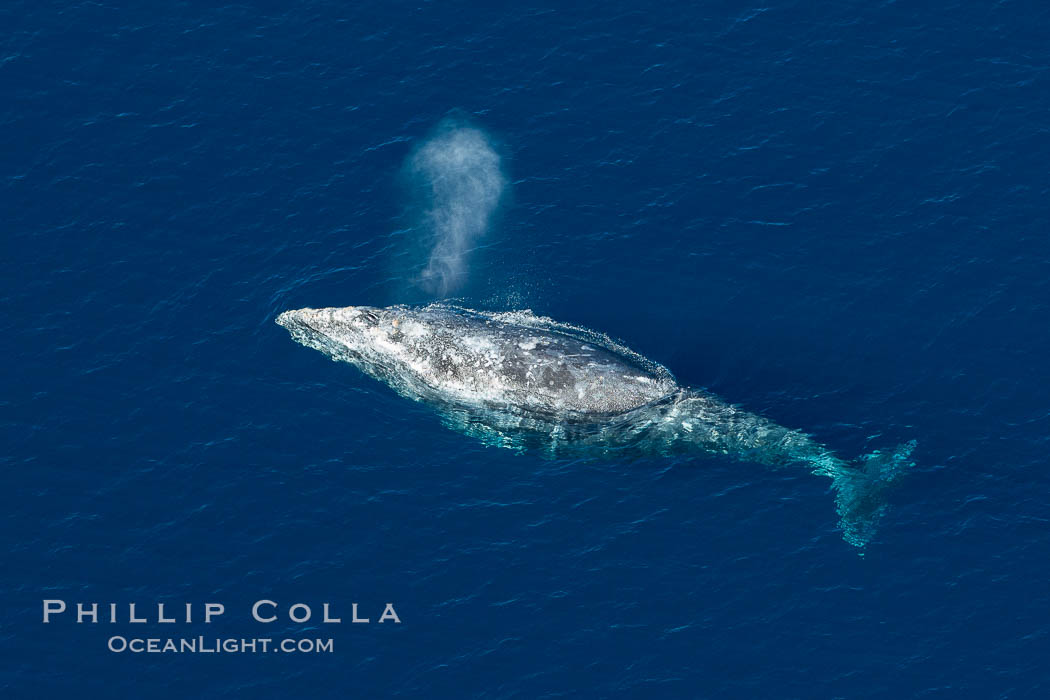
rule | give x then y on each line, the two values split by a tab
832	214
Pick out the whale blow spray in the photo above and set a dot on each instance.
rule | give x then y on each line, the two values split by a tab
462	182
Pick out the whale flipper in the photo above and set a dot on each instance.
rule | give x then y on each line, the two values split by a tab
860	491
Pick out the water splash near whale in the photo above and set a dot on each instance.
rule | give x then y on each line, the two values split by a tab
459	176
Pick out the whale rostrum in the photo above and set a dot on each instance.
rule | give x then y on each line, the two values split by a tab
523	381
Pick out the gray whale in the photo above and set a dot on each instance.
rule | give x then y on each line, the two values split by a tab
523	381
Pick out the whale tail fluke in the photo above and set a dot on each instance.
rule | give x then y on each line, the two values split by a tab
861	489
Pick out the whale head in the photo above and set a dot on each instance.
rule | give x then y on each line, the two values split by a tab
365	336
416	351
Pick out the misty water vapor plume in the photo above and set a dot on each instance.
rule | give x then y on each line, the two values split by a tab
461	180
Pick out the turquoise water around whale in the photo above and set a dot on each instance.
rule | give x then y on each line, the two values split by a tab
832	215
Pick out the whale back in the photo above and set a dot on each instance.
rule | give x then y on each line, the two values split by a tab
527	361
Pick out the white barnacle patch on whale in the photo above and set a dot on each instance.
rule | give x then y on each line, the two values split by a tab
478	343
414	330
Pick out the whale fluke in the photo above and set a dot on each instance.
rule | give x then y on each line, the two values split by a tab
860	491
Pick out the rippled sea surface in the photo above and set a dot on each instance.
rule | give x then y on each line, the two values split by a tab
832	214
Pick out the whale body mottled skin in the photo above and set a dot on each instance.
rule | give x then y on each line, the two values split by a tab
519	380
494	359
